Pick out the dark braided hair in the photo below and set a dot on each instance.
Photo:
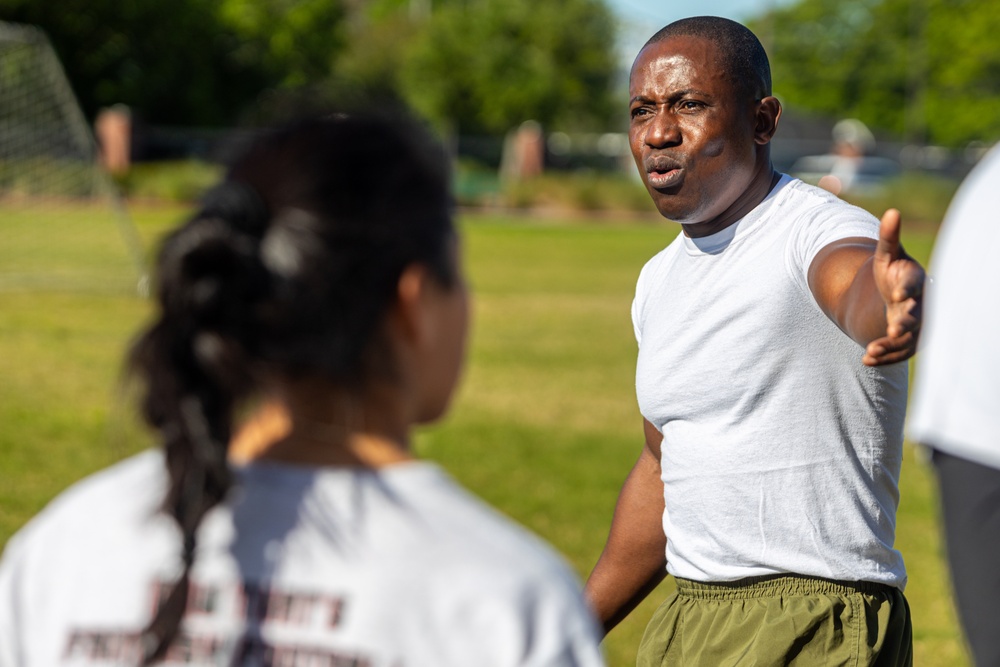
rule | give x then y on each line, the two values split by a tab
286	271
744	57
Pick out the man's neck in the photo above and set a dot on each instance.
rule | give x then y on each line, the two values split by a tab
758	189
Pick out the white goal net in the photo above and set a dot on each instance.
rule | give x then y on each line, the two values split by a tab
63	225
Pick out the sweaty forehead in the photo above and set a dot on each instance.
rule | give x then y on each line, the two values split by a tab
681	60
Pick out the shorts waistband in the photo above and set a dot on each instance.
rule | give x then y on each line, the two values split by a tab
775	585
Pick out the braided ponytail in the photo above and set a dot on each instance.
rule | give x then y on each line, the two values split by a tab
287	271
193	363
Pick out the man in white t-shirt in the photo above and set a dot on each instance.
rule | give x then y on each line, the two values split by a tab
956	398
770	334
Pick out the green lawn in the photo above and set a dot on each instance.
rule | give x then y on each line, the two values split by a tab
544	427
66	245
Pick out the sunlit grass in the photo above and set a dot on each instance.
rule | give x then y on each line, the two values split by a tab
545	425
67	246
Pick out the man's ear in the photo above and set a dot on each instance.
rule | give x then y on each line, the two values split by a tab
766	120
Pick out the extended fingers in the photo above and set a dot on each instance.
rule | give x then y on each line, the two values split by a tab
888	247
891	349
903	322
909	278
900	281
903	316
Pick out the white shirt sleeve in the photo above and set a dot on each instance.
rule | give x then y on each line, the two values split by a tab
820	226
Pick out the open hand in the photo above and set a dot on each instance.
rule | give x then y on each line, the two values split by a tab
900	281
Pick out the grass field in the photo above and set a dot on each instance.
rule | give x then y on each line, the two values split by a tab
545	425
42	245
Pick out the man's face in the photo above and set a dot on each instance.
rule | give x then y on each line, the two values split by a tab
691	130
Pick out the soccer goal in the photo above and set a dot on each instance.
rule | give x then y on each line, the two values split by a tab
63	225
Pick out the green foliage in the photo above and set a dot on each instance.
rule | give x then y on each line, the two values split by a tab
374	56
485	67
963	87
293	43
580	191
186	62
175	182
479	67
170	60
475	186
926	69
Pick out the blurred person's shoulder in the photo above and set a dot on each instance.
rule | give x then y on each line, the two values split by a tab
131	489
504	586
471	527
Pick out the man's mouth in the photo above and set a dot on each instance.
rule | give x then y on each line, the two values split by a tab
663	172
660	179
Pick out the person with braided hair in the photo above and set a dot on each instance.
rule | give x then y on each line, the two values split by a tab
310	315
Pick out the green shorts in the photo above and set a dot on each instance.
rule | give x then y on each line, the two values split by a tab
786	620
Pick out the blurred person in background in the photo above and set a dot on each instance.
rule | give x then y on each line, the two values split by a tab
956	401
320	290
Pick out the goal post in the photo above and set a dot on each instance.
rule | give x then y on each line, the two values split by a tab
63	224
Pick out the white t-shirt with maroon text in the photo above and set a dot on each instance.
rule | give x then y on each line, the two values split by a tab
397	567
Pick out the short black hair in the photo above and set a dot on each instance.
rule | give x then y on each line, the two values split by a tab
742	52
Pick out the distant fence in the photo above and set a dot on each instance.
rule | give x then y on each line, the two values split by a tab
602	152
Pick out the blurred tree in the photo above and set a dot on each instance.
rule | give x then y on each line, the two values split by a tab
963	65
190	62
378	37
165	60
479	66
485	66
926	69
293	42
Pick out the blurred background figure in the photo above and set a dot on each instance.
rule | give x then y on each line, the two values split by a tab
852	141
956	406
524	152
113	127
850	166
318	289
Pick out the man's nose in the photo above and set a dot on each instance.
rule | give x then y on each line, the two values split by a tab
663	131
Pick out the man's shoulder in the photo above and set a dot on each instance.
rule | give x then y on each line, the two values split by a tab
662	257
816	217
812	202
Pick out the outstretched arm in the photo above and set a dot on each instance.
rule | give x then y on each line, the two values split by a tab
634	559
873	291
